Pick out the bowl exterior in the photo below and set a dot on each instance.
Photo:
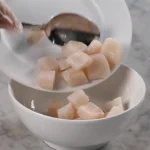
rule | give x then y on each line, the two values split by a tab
74	133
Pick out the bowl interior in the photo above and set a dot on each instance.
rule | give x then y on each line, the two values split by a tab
125	82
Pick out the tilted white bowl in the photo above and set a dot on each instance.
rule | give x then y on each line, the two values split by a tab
112	18
75	134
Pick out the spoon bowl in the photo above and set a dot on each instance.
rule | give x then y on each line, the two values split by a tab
68	26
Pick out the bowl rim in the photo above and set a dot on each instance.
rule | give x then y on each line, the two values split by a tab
76	121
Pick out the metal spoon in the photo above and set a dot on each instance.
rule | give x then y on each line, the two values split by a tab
68	26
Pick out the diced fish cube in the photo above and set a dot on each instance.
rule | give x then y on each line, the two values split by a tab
115	110
105	114
78	98
63	65
48	63
76	114
116	102
72	47
66	112
90	111
113	51
53	107
46	79
74	77
99	68
79	60
94	47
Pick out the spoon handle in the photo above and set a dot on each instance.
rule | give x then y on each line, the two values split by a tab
28	25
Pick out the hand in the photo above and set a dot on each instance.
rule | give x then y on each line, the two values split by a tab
8	19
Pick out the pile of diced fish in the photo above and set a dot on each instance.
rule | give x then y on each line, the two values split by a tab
80	64
80	108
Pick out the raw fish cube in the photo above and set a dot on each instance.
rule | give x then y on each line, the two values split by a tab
75	110
48	63
35	36
115	102
46	79
76	114
90	111
79	60
66	112
72	47
99	68
113	51
78	98
115	110
94	47
63	65
105	114
74	77
53	107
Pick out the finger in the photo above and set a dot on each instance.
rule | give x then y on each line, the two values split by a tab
6	25
5	10
8	12
5	21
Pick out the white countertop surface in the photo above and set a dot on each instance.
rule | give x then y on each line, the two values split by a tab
14	135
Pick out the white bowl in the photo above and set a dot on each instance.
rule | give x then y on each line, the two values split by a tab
19	59
75	134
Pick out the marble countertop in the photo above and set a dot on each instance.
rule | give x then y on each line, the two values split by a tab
14	135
